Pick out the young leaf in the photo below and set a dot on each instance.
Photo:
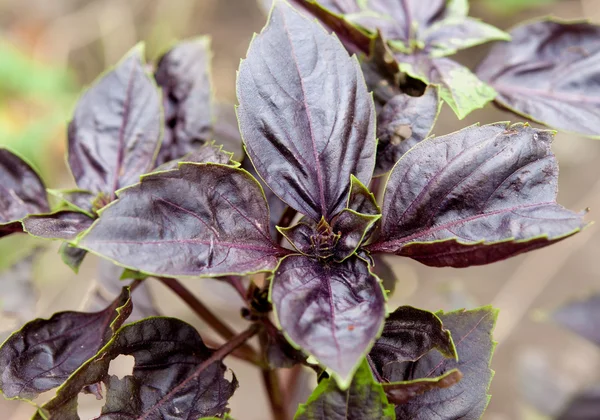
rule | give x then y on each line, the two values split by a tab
207	153
458	86
353	229
173	376
403	122
582	317
363	400
467	399
198	220
44	353
22	192
183	73
116	128
408	334
72	256
78	200
549	73
316	124
361	200
333	311
63	224
476	196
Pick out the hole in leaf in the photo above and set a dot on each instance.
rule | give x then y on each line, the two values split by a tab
89	405
121	366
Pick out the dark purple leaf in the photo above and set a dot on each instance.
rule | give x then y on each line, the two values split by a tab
63	224
226	130
550	72
198	220
333	311
458	86
408	334
472	333
363	400
44	353
581	317
403	122
22	192
403	392
585	406
361	200
72	256
116	129
476	196
316	124
108	284
382	269
172	378
183	73
207	153
280	353
79	200
353	229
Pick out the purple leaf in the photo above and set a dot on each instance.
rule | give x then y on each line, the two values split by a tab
363	400
226	130
22	192
316	124
408	334
183	73
63	224
198	220
403	122
172	378
476	196
333	311
361	200
550	73
116	129
585	405
44	353
581	317
72	256
207	153
467	399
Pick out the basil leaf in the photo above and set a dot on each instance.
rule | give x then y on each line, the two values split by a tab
477	196
333	311
62	224
581	317
305	142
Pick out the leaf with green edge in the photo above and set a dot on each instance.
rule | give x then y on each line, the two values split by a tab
198	220
549	73
582	317
364	399
404	391
408	334
183	73
62	224
353	229
173	376
361	199
458	86
476	196
22	192
44	353
467	399
403	122
382	269
226	130
116	128
207	153
72	256
332	311
76	199
305	143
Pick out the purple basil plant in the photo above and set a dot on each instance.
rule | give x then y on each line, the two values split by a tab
326	121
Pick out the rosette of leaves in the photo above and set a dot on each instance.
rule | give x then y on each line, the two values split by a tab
473	197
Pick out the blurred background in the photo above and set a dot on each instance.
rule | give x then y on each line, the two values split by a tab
50	50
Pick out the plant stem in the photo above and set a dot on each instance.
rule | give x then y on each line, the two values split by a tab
211	319
135	284
272	385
